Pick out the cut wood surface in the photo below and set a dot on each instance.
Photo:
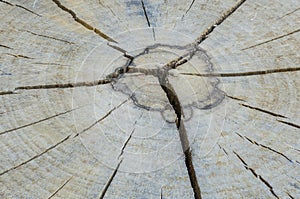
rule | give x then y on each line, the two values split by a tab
149	99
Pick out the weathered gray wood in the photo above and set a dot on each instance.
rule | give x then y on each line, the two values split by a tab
70	126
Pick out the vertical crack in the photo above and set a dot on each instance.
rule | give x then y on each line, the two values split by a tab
174	101
147	19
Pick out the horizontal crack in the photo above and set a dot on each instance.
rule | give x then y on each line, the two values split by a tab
67	85
241	74
83	23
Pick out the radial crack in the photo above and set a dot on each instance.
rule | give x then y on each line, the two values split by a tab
257	175
60	188
190	6
264	111
67	85
5	46
102	118
36	122
22	7
174	101
264	146
147	19
108	183
290	124
36	156
49	37
241	74
125	144
83	23
218	22
273	39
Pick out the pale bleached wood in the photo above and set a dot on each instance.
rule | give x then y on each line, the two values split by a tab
80	138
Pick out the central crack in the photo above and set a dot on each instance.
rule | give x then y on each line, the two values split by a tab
174	101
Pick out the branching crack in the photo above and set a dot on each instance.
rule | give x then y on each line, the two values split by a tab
174	101
82	22
264	111
256	175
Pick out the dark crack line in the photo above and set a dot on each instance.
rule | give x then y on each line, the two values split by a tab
110	181
36	156
174	101
67	85
5	46
125	144
241	74
235	98
102	118
19	56
36	122
273	39
256	175
60	188
264	111
290	195
22	7
7	92
290	13
218	22
147	19
125	53
190	6
49	37
264	146
82	22
145	13
290	124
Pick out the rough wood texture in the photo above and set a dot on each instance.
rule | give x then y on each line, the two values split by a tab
149	99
